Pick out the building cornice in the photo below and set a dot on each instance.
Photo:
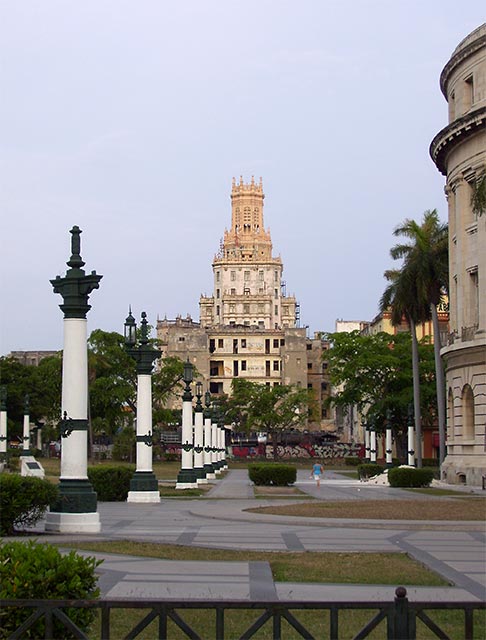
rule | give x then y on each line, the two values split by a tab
455	133
461	54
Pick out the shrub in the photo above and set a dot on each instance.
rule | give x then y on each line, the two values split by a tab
352	461
430	462
272	473
23	501
39	571
369	469
410	477
111	483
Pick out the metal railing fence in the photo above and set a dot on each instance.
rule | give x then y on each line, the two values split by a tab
399	617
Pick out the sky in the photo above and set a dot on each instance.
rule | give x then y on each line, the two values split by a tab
130	119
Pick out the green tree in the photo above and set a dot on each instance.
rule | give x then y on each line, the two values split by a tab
113	383
374	372
270	409
425	272
42	384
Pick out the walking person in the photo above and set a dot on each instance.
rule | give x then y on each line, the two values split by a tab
317	472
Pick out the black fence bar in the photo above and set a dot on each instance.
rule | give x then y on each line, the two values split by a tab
400	615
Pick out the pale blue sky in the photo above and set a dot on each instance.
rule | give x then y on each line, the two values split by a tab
130	118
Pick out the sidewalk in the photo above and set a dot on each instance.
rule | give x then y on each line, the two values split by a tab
455	550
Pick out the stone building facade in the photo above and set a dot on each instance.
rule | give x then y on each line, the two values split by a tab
459	152
249	326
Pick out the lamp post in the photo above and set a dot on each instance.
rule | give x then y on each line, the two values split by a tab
373	440
186	478
388	439
26	427
143	485
411	437
3	423
199	437
208	467
76	509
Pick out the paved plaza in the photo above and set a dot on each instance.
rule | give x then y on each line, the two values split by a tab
219	520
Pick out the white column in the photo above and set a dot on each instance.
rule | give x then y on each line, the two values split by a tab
210	475
26	434
373	446
388	447
199	447
39	438
74	445
367	444
186	478
411	451
137	491
3	434
215	445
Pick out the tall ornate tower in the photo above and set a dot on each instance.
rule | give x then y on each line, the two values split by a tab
248	287
459	152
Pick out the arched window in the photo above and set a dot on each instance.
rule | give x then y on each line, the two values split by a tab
467	413
450	408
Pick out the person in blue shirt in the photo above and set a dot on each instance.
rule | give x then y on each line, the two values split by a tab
317	472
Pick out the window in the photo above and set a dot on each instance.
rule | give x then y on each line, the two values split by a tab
212	345
276	366
324	366
275	344
468	413
282	342
217	276
217	293
243	343
233	292
324	386
276	310
261	308
243	365
181	339
468	93
217	310
309	385
232	308
324	412
309	366
309	346
233	276
275	294
246	308
260	275
275	276
246	276
220	343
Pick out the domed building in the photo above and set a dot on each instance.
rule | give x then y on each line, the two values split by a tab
459	152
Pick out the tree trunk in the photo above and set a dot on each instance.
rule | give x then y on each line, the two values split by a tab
440	385
416	395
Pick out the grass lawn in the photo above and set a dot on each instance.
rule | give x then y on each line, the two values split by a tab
464	508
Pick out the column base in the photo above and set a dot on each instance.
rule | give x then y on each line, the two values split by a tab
144	497
202	480
75	496
144	481
186	479
200	473
73	522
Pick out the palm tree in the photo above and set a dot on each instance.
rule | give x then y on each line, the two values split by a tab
401	298
426	259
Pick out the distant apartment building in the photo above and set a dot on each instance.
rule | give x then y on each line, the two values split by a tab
31	358
249	326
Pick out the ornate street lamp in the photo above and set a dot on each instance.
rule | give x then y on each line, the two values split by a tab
76	509
208	467
388	439
186	478
143	485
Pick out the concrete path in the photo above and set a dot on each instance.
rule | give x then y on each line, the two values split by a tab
219	520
